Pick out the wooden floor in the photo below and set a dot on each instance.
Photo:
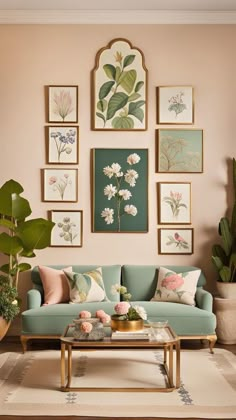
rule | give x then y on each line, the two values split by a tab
12	344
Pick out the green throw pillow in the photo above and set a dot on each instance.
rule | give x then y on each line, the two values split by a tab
86	287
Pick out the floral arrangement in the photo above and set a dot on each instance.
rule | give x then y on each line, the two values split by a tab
118	192
87	326
124	310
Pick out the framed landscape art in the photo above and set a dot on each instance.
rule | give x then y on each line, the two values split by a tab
62	144
175	105
68	229
174	202
120	190
175	241
119	88
62	104
179	150
60	184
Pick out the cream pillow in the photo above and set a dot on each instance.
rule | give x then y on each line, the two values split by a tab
86	287
55	285
176	287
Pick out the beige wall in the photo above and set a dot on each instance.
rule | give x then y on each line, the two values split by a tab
33	56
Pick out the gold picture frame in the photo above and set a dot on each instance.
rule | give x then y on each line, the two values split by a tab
175	241
175	105
174	203
68	229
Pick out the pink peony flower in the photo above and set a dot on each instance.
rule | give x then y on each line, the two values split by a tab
122	308
85	314
105	319
172	282
86	327
100	313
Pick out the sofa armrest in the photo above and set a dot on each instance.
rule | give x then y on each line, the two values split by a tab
34	299
204	299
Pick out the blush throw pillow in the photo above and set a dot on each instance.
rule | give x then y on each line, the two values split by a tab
176	287
86	287
55	285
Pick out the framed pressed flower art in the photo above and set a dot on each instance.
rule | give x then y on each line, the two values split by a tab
120	190
174	202
68	229
60	184
62	144
175	241
119	89
175	105
62	104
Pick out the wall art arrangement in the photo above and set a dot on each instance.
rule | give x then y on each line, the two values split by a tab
62	148
120	190
119	88
179	150
67	231
175	105
175	241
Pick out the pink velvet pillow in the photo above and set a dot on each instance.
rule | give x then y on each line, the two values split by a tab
55	285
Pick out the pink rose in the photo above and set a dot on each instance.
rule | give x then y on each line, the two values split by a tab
100	313
85	314
122	308
172	282
86	327
105	319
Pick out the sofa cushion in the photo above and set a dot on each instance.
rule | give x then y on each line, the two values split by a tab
176	287
55	285
86	287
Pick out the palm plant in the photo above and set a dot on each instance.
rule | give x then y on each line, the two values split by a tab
224	256
18	239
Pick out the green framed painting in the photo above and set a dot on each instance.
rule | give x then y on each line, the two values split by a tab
119	88
179	150
120	190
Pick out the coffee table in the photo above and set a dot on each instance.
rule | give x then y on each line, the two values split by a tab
169	346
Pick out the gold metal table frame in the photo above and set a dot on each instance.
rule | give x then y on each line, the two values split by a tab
170	363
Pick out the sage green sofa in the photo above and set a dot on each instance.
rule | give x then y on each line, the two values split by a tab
189	322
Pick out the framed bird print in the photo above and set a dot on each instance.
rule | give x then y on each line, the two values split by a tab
175	241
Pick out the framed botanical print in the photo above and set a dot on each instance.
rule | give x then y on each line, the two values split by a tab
62	104
60	185
175	241
68	229
120	190
62	144
174	202
175	105
179	151
119	88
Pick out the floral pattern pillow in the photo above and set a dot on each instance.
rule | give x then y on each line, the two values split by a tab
176	287
86	287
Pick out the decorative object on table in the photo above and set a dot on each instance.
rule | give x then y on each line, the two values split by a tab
68	229
62	104
90	328
175	105
119	90
158	331
131	335
174	202
224	256
60	185
19	240
62	144
120	190
127	316
179	151
176	287
175	241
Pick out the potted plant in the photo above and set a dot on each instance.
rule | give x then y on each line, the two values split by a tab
224	254
18	239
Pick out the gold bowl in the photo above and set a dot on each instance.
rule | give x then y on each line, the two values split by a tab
119	325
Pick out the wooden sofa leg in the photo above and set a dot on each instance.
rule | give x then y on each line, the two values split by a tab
212	340
24	340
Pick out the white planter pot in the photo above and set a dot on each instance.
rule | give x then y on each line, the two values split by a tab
226	290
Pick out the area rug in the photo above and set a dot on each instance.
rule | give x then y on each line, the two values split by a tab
30	385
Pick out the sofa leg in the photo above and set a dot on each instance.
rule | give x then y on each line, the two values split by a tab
24	340
212	340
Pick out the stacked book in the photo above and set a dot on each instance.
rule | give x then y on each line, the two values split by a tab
135	335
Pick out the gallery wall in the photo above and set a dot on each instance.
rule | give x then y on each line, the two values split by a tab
202	56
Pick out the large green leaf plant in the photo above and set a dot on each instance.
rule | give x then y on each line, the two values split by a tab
224	254
18	240
119	98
